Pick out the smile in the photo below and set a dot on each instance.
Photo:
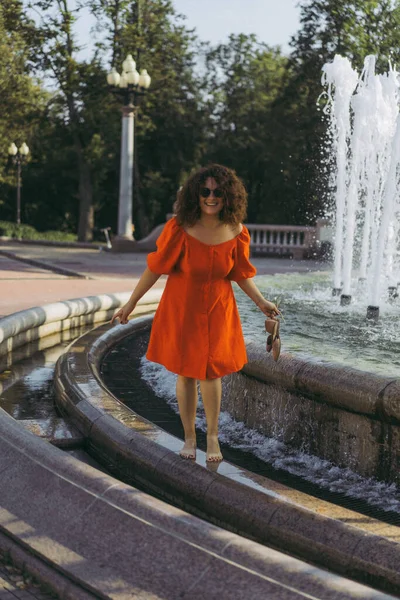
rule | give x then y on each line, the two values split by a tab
211	203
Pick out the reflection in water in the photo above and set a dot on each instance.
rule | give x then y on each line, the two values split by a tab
31	397
26	387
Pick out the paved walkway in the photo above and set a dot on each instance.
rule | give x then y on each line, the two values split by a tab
24	286
14	585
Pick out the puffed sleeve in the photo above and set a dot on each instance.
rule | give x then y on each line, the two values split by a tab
169	247
242	269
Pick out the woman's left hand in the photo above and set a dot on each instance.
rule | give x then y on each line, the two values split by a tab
268	308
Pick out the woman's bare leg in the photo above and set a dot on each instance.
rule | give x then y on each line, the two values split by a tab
186	393
211	390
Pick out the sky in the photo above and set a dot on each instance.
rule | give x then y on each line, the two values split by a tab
273	21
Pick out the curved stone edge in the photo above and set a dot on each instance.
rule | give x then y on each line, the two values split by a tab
344	387
87	535
42	325
138	460
38	535
82	532
26	326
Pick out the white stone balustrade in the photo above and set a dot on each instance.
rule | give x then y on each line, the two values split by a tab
293	240
285	240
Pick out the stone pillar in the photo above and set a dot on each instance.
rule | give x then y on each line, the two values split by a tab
124	241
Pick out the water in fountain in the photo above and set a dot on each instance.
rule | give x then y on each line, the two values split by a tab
274	452
364	126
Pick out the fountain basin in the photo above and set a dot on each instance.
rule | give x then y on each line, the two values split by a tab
346	416
135	449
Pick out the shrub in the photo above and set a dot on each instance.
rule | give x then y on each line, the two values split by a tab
26	232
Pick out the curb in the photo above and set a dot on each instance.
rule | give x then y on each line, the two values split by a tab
100	538
24	559
87	535
114	439
44	265
39	528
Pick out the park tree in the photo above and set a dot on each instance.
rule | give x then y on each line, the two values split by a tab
171	123
21	96
251	108
352	28
77	99
85	118
265	119
244	80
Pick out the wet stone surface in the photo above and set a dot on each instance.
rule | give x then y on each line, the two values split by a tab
31	397
57	431
121	373
27	392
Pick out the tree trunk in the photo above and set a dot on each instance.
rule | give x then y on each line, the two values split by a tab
86	210
138	204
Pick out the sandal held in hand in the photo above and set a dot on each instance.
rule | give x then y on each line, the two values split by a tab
273	340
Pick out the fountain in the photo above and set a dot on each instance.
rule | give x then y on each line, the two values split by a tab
337	375
364	130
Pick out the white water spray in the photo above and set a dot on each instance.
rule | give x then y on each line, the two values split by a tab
340	76
364	126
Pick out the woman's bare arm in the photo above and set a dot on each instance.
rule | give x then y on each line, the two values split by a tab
250	288
146	281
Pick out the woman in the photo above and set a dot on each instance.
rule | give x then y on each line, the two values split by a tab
196	331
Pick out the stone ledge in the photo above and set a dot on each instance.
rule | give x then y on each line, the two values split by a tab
116	441
347	388
35	323
87	535
38	458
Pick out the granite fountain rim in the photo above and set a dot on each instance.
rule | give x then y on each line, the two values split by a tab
70	565
117	435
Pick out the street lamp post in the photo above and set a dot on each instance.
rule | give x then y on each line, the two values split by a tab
18	157
129	86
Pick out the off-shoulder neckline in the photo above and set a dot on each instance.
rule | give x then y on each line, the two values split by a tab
211	245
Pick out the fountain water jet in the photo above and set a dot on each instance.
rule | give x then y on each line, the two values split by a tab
340	74
364	126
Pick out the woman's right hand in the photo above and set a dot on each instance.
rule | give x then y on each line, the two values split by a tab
123	313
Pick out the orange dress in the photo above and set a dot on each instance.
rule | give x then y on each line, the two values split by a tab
196	331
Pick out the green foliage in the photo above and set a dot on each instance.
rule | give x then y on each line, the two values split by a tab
171	122
353	28
21	97
245	82
26	232
250	108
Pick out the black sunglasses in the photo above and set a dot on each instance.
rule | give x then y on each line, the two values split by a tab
206	192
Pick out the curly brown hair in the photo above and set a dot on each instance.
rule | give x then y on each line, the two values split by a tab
187	206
